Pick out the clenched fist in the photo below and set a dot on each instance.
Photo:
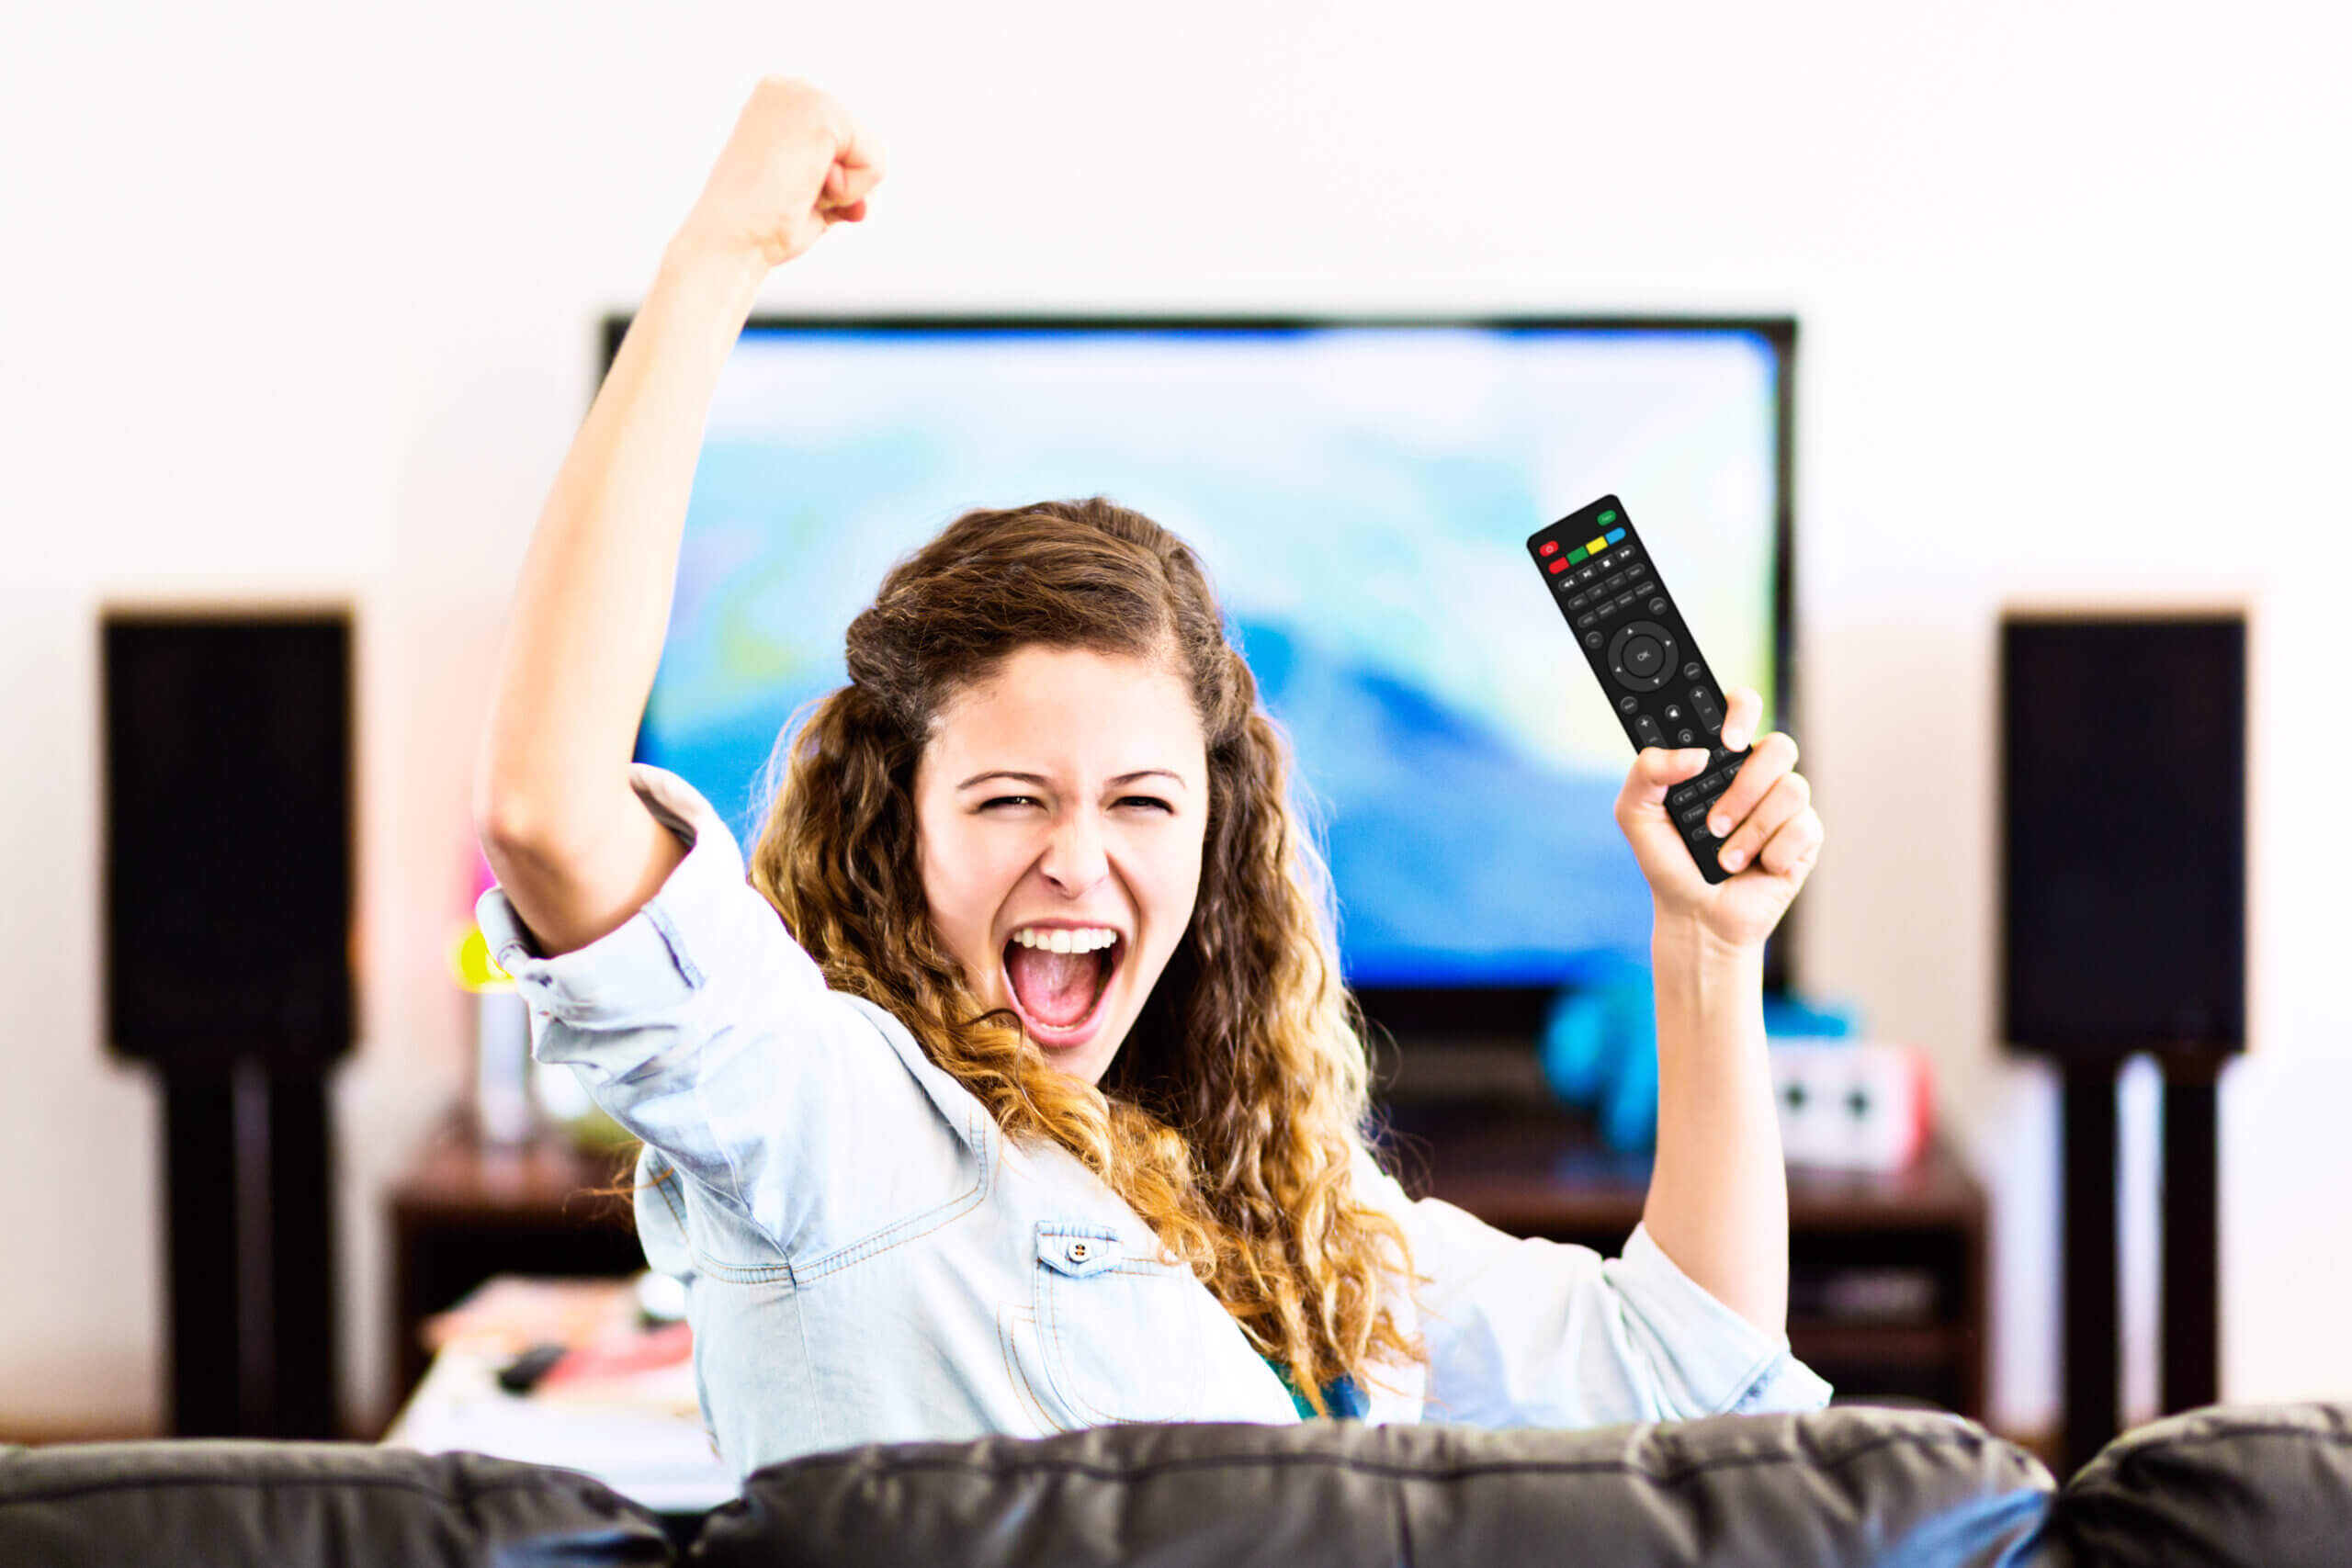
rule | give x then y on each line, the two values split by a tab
1771	835
794	166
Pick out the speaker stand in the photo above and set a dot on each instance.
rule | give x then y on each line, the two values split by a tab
2187	1235
248	1200
2191	1232
2086	1244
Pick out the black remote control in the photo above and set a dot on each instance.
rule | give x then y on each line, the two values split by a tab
1599	573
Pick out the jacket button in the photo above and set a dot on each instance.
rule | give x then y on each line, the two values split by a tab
1078	1252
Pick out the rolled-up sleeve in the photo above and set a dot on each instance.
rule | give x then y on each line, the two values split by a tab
707	1031
1526	1332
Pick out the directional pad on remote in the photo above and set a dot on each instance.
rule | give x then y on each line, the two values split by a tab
1641	656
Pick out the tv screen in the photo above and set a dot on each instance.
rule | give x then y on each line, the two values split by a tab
1359	493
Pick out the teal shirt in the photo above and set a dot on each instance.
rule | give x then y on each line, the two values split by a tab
1340	1395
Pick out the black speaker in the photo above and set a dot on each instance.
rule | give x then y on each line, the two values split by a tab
228	870
2122	778
228	863
2122	775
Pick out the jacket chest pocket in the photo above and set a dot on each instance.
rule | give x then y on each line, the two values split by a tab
1122	1332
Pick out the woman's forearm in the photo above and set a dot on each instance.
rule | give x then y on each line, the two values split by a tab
592	605
1718	1200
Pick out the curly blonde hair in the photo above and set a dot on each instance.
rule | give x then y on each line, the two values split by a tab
1229	1118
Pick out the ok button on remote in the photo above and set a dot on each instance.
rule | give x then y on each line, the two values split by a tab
1641	656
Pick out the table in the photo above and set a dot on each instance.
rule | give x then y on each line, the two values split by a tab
666	1464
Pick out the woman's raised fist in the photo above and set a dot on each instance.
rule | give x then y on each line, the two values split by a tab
794	166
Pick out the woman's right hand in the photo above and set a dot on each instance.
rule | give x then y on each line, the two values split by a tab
794	166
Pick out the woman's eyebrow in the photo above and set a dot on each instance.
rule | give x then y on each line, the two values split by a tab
1041	782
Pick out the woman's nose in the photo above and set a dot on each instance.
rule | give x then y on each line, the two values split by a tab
1074	859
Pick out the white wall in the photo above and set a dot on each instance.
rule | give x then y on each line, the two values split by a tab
300	302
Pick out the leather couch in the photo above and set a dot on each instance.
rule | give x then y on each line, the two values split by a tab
2265	1486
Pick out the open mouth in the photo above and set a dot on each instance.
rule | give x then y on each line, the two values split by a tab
1061	996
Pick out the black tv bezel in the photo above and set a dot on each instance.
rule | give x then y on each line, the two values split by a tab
1423	1014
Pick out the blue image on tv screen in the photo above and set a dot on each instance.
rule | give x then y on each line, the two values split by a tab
1359	496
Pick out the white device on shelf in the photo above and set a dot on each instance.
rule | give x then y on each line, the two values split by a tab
1852	1104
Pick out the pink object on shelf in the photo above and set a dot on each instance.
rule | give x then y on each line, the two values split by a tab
1852	1104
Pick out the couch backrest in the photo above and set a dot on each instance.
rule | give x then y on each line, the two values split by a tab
2267	1485
227	1503
1846	1485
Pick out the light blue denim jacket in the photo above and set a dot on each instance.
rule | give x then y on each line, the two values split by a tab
868	1258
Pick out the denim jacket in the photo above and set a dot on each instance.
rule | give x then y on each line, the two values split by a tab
869	1258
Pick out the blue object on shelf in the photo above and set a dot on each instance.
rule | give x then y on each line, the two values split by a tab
1600	1052
1572	1049
1787	1016
1629	1110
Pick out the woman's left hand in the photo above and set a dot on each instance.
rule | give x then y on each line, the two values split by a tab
1773	834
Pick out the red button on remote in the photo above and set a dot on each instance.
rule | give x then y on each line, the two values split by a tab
1558	566
1547	547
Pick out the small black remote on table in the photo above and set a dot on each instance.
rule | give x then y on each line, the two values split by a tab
1599	573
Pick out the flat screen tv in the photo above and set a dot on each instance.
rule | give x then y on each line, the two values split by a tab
1360	491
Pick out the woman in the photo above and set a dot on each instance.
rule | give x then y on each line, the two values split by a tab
1016	1090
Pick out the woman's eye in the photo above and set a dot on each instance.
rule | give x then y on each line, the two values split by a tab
1149	800
1008	800
1032	800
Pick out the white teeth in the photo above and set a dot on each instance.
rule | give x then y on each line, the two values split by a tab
1063	940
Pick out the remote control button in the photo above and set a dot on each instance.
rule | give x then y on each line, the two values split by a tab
1626	704
1657	607
1691	671
1646	727
1592	639
1708	711
1580	600
1687	736
1549	547
1700	837
1587	619
1614	534
1631	552
1691	813
1673	713
1680	793
1641	656
1557	566
1625	600
1612	584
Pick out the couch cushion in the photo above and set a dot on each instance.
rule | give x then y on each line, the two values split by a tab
231	1502
1848	1484
2243	1483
